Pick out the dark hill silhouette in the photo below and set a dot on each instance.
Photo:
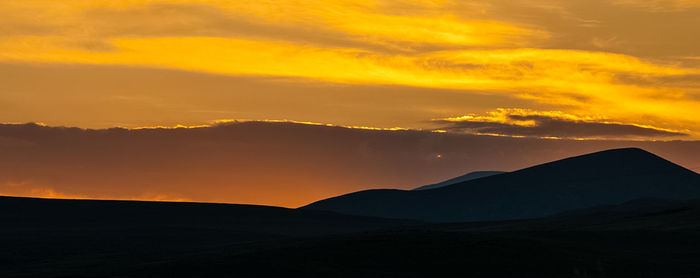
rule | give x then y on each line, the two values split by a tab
463	178
76	237
602	178
22	214
642	238
90	238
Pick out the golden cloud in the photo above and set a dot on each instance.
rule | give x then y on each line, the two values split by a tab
552	124
579	79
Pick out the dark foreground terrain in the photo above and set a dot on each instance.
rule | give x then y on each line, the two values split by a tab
68	238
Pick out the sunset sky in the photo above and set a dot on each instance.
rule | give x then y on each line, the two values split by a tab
534	69
410	64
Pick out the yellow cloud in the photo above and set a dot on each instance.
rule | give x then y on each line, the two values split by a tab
434	30
465	69
553	125
356	20
578	79
504	116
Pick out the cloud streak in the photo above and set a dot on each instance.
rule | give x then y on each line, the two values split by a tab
528	123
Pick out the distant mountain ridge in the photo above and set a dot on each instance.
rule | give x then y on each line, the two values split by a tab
463	178
603	178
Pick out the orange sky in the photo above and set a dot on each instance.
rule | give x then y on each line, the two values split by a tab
383	63
272	163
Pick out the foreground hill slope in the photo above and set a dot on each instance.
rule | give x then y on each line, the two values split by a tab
642	238
662	215
602	178
31	214
65	238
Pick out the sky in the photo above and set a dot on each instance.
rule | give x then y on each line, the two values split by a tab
488	67
562	77
272	163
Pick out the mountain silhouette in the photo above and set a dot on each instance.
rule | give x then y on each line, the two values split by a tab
463	178
603	178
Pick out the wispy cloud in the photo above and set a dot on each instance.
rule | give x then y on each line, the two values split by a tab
551	124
